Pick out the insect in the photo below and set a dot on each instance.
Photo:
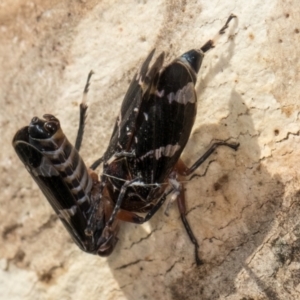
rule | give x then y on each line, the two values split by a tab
141	165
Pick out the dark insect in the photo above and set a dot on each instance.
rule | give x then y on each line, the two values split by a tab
141	166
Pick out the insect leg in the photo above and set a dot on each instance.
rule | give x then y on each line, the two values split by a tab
222	30
82	113
131	217
182	209
96	163
182	169
119	201
125	154
211	43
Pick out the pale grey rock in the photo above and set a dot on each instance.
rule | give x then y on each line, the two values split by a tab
244	211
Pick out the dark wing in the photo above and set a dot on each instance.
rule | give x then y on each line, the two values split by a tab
165	122
53	187
139	89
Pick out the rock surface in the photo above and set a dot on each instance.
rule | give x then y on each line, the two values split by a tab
244	211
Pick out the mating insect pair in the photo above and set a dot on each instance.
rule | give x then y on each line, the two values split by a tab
141	164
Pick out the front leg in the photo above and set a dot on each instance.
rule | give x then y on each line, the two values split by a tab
182	210
119	201
128	216
183	170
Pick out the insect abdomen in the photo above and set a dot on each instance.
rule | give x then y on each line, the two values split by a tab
49	139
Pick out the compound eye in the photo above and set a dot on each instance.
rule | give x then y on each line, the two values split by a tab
51	127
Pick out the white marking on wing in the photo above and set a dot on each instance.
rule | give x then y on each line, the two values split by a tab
160	94
183	96
168	151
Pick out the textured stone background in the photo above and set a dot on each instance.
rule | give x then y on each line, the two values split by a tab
244	211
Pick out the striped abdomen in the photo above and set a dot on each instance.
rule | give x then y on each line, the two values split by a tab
47	136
